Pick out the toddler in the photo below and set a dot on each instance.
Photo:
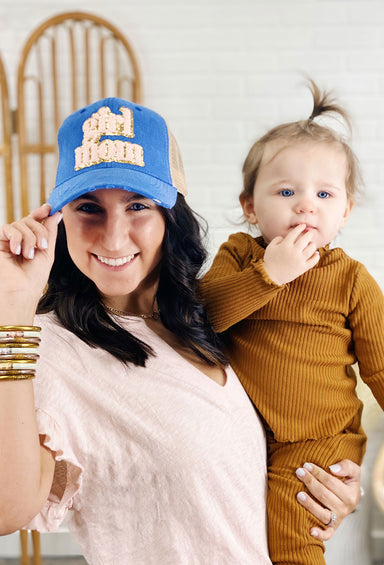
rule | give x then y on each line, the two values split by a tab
296	314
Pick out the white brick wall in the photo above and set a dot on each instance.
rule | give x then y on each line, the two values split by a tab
223	72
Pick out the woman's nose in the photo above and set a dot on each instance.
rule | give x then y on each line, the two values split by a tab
115	232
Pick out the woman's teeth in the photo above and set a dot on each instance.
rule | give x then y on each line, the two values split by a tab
115	262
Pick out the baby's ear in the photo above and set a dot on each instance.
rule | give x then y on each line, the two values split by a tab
248	209
347	212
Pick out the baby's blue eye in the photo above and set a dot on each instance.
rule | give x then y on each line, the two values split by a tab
323	194
286	192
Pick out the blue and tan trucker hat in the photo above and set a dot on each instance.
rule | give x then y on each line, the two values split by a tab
113	143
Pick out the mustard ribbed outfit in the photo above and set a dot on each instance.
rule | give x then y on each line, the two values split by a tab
292	347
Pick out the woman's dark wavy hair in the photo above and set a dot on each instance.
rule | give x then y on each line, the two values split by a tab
76	301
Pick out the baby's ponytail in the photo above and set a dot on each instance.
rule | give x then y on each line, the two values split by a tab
325	103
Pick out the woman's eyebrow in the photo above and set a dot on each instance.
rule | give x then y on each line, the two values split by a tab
127	197
87	196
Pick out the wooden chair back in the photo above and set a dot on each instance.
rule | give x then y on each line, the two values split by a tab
69	61
6	145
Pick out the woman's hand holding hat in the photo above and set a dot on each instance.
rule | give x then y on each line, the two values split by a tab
27	250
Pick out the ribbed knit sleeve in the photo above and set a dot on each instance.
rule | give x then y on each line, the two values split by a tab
366	320
237	284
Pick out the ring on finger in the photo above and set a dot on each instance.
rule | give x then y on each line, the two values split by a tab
332	520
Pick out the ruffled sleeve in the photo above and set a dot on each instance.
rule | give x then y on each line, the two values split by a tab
67	477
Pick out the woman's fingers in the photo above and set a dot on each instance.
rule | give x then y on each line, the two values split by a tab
40	213
333	499
321	513
348	470
35	231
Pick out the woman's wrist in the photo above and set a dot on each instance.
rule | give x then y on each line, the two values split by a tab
17	309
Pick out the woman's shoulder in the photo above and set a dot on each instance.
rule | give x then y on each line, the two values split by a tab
50	324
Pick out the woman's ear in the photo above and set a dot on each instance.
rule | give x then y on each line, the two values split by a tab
248	209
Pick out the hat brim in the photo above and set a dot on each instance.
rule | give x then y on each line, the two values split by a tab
112	177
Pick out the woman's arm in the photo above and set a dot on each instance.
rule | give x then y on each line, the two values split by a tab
333	499
26	468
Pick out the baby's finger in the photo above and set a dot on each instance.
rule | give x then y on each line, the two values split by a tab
313	259
304	238
295	233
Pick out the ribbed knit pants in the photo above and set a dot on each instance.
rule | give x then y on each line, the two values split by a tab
290	542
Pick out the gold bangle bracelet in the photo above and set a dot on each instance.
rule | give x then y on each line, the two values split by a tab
16	361
23	343
20	339
23	377
18	364
16	371
14	351
20	328
18	357
10	334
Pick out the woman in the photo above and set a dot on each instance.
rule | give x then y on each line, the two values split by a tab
141	430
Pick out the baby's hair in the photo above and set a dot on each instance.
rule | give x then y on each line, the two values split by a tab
302	131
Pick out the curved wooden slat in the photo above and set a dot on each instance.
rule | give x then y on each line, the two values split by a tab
6	143
66	56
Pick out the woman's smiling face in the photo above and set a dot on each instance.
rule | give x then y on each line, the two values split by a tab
115	238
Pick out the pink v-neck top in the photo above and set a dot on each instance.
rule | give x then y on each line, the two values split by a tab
154	465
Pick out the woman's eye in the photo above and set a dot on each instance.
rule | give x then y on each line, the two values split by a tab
136	206
323	194
89	208
286	192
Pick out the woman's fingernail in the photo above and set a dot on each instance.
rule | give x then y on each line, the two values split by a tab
18	249
44	243
308	466
31	253
302	496
300	472
315	533
59	217
335	468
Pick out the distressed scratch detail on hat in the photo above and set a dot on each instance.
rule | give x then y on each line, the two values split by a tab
105	123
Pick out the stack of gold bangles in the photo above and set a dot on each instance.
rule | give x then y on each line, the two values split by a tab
18	352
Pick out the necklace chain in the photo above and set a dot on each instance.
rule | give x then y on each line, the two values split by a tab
154	316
